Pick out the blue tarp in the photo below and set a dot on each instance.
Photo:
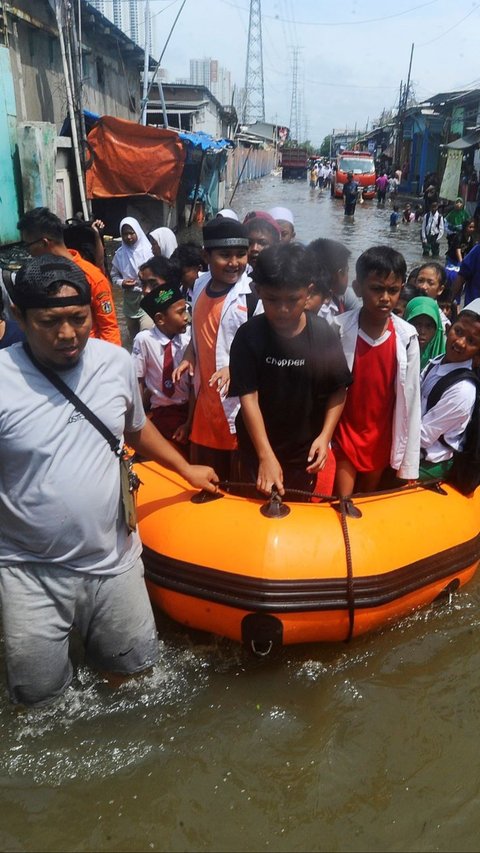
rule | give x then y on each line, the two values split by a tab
205	141
90	120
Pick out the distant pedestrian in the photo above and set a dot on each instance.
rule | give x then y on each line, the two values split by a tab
381	183
350	195
394	216
432	231
392	188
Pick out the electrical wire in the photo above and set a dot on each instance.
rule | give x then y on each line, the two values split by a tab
338	23
424	43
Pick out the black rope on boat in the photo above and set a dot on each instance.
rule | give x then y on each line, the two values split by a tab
344	502
428	485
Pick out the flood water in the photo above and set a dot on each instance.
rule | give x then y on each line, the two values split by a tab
367	746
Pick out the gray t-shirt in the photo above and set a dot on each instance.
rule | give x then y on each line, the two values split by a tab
59	479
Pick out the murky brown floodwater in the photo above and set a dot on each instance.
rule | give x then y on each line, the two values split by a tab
371	746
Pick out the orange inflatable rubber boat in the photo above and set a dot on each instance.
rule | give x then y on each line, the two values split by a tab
267	573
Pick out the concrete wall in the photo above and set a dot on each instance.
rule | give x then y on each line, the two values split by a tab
9	171
111	73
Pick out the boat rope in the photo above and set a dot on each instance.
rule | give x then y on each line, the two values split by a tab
349	562
429	485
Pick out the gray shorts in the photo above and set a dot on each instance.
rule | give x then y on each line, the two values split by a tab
40	605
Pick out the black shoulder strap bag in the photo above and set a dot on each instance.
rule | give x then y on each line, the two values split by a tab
128	479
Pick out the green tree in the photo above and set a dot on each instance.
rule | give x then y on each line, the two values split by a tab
325	146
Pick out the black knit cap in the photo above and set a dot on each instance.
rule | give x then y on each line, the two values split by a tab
35	281
224	233
159	299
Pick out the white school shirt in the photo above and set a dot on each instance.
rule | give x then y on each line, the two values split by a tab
432	224
450	416
234	314
148	352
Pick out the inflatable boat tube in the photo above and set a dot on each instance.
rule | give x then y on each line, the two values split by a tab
277	574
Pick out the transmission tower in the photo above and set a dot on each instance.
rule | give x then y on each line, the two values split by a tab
254	104
295	107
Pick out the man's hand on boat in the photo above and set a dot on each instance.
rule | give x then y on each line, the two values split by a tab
151	444
270	474
317	456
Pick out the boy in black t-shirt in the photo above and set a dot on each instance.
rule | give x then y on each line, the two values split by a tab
288	368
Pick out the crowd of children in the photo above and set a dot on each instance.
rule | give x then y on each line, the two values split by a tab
286	366
256	356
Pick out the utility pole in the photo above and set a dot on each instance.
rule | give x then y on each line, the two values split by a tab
294	107
254	104
146	58
402	109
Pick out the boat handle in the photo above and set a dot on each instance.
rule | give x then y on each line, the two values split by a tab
275	508
205	497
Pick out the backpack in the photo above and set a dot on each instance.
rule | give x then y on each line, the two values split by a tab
252	302
464	474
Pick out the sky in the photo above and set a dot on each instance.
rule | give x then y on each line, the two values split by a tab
352	56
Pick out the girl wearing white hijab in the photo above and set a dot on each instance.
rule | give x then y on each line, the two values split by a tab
134	251
163	241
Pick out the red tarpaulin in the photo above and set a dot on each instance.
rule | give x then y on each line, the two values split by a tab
131	159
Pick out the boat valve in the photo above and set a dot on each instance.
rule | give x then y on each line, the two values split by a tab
275	508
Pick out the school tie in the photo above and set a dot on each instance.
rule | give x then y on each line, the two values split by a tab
168	387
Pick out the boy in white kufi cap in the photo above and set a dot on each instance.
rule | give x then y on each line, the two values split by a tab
284	217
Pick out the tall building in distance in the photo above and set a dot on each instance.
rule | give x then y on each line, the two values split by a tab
208	72
125	15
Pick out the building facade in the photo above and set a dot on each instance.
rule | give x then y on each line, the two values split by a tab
34	103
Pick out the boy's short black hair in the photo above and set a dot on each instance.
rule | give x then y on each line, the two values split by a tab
42	222
81	236
408	292
188	255
382	260
330	253
164	268
263	226
441	271
284	266
321	272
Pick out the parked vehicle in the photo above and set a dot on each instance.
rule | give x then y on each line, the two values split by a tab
294	163
362	166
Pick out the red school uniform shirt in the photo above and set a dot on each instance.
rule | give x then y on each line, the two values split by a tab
364	432
210	426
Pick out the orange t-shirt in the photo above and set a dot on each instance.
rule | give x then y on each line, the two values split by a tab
210	426
104	319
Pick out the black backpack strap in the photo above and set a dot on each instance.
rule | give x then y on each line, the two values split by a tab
80	406
252	302
446	382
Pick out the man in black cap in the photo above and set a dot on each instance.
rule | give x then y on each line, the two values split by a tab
67	556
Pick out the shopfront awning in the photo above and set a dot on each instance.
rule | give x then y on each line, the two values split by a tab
468	141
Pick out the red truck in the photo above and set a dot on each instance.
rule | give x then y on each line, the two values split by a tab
294	163
362	166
